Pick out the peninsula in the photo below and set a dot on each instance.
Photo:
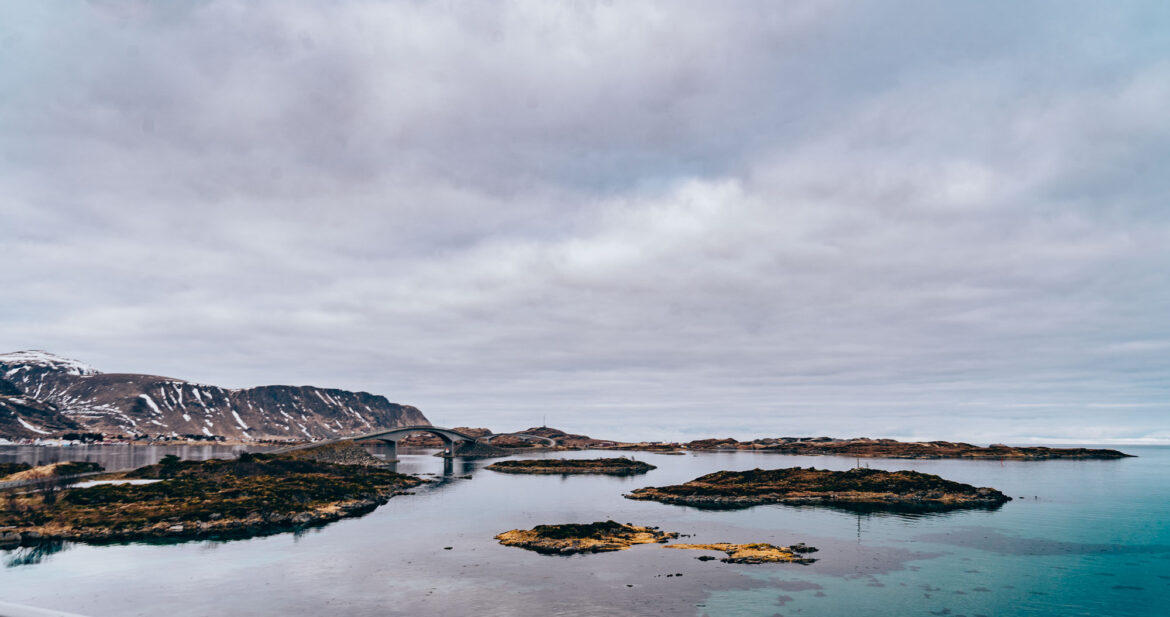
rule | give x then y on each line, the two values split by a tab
866	488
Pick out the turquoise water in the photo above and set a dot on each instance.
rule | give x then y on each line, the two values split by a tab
1081	538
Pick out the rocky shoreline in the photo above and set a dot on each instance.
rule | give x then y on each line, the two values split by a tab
867	488
607	466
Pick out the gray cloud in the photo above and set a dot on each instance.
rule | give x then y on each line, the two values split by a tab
913	219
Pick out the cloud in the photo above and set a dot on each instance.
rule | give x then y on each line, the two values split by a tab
912	220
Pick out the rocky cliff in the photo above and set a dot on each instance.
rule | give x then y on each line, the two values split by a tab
152	405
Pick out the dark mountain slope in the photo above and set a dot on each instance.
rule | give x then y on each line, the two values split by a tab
150	405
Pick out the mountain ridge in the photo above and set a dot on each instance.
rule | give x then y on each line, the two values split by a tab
151	405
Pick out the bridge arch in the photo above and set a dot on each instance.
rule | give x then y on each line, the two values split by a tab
392	436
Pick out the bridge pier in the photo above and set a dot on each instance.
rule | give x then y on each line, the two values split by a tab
392	456
448	446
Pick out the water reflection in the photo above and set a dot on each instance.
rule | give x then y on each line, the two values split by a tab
908	512
119	456
1040	557
30	555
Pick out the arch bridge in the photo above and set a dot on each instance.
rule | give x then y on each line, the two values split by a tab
451	438
391	436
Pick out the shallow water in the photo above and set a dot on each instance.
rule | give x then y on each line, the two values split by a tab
1081	538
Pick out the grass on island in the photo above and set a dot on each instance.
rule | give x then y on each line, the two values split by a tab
874	487
13	472
611	466
257	488
573	538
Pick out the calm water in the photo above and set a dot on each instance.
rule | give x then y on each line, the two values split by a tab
1081	538
117	456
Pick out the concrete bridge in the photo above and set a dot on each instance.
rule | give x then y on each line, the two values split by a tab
391	436
451	438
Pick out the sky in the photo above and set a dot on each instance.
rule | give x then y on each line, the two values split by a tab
651	220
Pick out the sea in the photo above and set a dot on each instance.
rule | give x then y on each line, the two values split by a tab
1079	537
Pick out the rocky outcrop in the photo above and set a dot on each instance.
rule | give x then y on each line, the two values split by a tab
149	405
567	440
478	449
344	452
870	489
572	538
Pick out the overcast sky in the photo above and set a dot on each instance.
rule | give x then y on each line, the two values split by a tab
641	220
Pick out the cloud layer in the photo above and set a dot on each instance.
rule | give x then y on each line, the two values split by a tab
637	219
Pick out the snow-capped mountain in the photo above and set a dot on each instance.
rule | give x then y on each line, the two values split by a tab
25	417
150	405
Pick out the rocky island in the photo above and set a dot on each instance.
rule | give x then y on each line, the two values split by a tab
853	489
890	448
572	538
252	495
755	553
609	466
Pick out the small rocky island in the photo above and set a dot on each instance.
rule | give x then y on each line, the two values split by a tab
572	538
608	466
256	494
754	553
871	489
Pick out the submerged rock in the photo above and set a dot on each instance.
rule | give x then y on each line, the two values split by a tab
753	553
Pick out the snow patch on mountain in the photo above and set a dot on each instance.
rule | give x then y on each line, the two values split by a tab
240	421
150	403
44	359
35	429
